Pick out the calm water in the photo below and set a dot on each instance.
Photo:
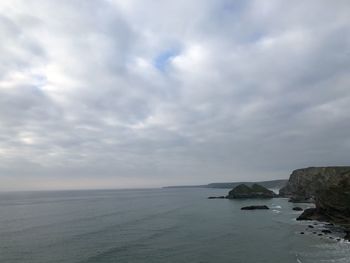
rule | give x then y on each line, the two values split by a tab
160	225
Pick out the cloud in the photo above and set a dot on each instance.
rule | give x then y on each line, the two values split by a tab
128	94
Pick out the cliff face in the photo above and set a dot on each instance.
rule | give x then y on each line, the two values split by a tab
334	203
329	187
307	183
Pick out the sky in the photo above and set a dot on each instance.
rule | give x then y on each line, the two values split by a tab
129	94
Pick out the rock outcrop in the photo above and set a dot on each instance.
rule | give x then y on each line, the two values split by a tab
332	205
328	187
255	191
216	197
297	208
304	184
311	214
255	207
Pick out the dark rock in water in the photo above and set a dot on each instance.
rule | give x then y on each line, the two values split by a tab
308	214
297	208
320	234
338	239
314	214
326	231
302	233
347	235
255	191
216	197
314	233
300	199
254	207
310	226
331	237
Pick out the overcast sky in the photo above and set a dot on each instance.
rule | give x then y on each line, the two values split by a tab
130	93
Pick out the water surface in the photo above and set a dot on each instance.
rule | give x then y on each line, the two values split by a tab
155	225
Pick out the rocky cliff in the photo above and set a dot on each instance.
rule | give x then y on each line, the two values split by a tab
305	184
328	187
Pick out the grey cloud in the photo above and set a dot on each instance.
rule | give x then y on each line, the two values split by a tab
254	90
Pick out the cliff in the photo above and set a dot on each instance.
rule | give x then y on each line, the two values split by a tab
305	184
328	187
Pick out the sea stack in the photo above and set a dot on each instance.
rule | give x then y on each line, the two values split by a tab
255	207
255	191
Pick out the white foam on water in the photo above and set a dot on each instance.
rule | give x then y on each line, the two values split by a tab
276	206
298	259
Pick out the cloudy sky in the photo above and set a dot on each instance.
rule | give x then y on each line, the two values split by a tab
130	93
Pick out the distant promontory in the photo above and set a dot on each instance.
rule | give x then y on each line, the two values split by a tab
272	184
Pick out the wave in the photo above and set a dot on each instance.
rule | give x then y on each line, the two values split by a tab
276	206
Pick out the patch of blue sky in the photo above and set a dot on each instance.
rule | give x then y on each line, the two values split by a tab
161	61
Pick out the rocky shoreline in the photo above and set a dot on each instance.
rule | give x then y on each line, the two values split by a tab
328	188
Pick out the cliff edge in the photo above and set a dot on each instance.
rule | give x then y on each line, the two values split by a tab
327	187
305	184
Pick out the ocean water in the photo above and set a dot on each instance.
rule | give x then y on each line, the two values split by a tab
156	225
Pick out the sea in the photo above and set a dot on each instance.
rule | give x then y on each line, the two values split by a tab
158	225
